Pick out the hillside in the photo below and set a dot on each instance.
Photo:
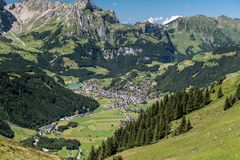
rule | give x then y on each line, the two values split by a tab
203	34
32	101
72	40
192	71
215	134
10	150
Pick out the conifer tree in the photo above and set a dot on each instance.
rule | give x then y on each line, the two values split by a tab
156	133
93	155
238	93
212	88
142	141
220	93
182	125
148	137
188	125
207	98
227	103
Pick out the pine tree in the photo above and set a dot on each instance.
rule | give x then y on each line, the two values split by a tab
188	125
227	104
148	137
220	93
238	93
207	98
212	88
103	151
181	128
220	81
156	133
93	155
142	141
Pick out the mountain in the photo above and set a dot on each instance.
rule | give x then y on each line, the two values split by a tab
62	35
203	34
200	70
68	39
6	18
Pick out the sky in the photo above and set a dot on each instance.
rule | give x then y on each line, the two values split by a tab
131	11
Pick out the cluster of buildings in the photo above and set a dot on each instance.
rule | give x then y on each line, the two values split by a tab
123	98
48	129
75	116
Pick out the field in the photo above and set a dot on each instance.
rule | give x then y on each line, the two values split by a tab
93	129
215	136
21	133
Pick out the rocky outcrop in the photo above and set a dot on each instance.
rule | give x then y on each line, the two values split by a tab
6	18
82	18
114	53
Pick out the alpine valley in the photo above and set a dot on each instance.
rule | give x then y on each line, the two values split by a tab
76	83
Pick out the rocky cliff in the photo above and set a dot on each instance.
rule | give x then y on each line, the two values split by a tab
6	18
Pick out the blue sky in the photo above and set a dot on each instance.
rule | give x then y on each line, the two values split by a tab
132	11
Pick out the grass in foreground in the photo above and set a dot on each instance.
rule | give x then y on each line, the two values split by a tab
11	150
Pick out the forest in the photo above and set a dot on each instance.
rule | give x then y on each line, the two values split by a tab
34	100
174	80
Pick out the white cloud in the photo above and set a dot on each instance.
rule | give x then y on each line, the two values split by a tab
155	19
168	20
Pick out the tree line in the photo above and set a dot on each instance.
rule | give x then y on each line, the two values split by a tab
153	124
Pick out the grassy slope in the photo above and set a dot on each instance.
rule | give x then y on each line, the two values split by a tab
22	133
215	136
10	150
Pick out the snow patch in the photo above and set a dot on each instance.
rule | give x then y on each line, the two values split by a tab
168	20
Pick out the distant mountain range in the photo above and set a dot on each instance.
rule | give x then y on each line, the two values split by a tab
68	38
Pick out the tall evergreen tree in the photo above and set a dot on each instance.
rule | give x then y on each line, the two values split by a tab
212	88
220	92
238	93
228	103
189	125
207	97
93	155
156	133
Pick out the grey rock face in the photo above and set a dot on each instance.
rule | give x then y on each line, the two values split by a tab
2	4
6	18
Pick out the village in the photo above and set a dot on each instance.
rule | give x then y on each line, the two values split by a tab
123	98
